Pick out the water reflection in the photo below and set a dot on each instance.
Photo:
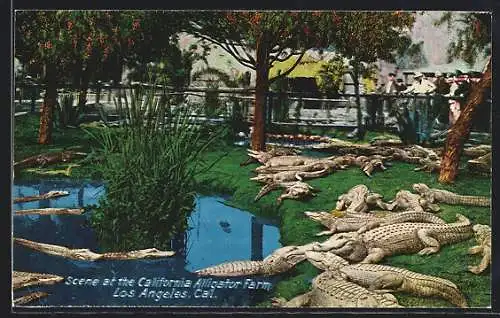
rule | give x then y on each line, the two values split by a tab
216	233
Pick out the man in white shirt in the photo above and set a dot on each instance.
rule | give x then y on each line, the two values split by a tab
420	85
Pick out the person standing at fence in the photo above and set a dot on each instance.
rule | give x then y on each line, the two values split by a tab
390	88
440	102
421	105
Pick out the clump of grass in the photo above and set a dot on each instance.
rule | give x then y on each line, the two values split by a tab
149	165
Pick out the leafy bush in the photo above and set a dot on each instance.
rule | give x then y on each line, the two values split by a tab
149	167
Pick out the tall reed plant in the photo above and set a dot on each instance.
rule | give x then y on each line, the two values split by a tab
149	165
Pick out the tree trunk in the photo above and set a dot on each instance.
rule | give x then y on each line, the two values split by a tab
48	106
84	86
261	88
459	132
359	114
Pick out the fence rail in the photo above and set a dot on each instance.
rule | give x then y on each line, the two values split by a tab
283	108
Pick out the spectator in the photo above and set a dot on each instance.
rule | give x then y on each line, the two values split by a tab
420	85
440	103
454	111
400	85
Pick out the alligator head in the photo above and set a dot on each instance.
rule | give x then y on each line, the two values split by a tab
481	231
420	188
349	246
325	260
281	260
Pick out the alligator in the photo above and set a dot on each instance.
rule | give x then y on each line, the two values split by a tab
330	290
483	237
279	261
400	238
354	199
428	165
443	196
477	151
419	151
384	278
50	211
364	223
264	156
45	159
383	142
65	172
407	201
481	164
292	190
45	196
331	164
29	298
25	279
87	255
287	176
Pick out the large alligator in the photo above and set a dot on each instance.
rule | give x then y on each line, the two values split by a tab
368	221
87	255
279	261
330	290
477	151
400	238
25	279
442	196
483	237
383	278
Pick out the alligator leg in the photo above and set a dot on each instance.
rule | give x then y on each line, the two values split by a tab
475	250
375	255
387	283
485	262
299	301
329	232
432	244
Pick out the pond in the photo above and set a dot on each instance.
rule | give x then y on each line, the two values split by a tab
216	233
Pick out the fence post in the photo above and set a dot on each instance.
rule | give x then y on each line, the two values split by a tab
98	93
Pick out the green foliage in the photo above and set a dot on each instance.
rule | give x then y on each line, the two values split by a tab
67	113
473	34
331	75
149	168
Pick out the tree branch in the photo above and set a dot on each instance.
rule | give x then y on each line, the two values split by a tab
290	69
241	60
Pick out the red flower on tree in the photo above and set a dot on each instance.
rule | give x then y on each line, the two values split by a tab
69	24
136	24
230	18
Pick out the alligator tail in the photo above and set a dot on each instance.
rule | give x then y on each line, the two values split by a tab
237	268
471	200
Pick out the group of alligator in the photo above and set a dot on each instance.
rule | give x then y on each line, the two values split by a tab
285	168
360	238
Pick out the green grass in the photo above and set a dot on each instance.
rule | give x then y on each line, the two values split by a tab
226	176
450	263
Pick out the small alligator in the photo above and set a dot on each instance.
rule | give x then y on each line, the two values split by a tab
292	190
287	176
45	159
364	223
45	196
481	164
279	261
442	196
330	290
483	237
383	278
407	201
29	298
87	255
263	156
25	279
477	151
400	238
51	211
354	200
